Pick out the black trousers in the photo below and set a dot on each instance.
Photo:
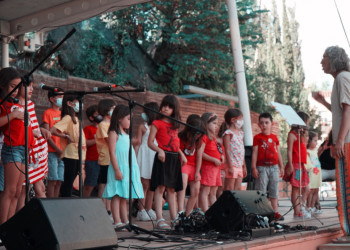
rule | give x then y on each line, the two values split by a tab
71	170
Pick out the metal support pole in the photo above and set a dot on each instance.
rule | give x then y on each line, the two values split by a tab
5	52
239	69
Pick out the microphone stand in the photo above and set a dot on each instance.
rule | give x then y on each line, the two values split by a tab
25	82
131	227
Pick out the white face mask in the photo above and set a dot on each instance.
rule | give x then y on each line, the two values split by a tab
59	102
144	117
239	124
111	112
76	107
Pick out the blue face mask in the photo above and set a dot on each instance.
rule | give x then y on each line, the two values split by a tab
110	113
144	117
76	107
59	102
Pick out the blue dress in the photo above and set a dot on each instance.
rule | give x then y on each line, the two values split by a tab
121	187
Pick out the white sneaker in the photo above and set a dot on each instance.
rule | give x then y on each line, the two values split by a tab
318	211
142	215
152	214
306	215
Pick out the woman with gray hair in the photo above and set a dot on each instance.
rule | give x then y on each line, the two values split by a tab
335	62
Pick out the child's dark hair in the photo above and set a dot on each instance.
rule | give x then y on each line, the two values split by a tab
68	110
188	134
104	106
304	116
222	129
119	112
311	136
6	76
266	115
172	102
90	111
207	118
151	115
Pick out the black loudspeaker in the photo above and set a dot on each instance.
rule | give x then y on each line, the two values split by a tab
67	223
240	210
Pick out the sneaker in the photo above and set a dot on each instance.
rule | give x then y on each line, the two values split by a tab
142	215
278	216
152	214
304	214
312	209
318	211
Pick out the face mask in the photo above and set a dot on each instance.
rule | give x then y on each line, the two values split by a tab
76	107
239	124
110	113
59	102
98	118
144	117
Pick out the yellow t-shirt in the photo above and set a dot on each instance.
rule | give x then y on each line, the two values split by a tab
101	144
70	150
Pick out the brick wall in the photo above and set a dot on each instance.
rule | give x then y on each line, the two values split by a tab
188	106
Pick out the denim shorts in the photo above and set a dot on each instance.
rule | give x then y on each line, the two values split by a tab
92	170
268	180
56	168
12	154
102	177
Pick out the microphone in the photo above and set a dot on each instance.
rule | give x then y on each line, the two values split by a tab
45	87
109	87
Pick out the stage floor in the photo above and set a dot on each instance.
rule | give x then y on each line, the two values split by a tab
327	224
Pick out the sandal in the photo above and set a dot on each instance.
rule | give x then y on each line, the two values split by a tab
118	226
163	225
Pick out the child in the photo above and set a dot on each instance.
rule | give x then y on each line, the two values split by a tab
213	158
105	109
166	172
38	168
233	142
295	169
145	160
117	188
13	151
51	116
267	164
68	130
92	169
190	145
315	174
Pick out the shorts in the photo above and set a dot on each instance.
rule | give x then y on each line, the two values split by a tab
211	175
92	171
268	180
237	173
12	154
190	171
56	167
102	176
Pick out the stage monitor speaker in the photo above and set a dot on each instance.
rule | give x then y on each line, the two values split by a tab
63	223
240	210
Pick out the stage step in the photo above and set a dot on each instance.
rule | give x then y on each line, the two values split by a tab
334	246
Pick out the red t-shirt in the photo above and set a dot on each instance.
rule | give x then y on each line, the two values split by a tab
91	152
211	149
267	149
303	150
189	153
51	117
16	127
167	137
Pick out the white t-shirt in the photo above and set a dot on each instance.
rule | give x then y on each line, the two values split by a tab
340	95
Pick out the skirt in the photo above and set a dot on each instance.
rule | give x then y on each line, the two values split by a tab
167	174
